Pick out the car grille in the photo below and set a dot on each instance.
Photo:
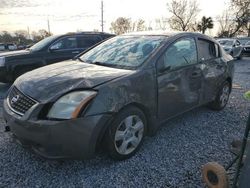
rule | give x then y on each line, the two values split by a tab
19	102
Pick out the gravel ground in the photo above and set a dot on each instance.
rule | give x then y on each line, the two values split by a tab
172	158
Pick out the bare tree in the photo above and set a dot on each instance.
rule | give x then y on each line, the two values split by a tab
41	34
161	23
121	25
6	37
242	14
184	14
140	25
226	23
236	19
21	36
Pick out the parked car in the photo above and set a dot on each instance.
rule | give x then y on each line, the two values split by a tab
7	47
232	47
116	93
50	50
246	49
243	40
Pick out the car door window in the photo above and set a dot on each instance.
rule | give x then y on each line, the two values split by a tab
87	41
207	50
181	53
65	43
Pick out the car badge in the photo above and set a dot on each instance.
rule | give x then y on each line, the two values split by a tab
14	99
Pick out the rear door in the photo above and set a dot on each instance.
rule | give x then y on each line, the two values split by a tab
179	78
86	41
213	68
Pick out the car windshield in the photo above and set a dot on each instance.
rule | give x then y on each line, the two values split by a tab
41	44
126	52
226	42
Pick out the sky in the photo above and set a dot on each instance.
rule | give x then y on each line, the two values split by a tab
85	15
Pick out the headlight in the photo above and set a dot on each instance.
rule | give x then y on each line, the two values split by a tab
2	61
70	105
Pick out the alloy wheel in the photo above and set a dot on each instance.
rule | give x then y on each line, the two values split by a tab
129	134
224	95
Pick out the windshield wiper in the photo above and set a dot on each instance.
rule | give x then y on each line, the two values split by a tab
78	58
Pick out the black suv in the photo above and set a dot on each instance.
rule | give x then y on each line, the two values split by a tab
50	50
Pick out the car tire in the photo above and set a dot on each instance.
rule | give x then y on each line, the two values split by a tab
126	133
214	175
221	98
239	57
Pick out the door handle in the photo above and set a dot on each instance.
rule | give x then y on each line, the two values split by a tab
219	66
75	52
195	74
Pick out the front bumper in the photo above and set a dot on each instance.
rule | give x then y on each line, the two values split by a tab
75	138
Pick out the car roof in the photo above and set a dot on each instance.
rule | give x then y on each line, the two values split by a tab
225	39
87	33
164	33
170	34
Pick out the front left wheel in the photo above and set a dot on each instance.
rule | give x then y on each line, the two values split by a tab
125	135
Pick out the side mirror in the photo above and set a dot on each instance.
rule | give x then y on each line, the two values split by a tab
55	47
161	68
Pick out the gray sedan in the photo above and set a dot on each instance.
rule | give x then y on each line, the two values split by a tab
116	93
232	47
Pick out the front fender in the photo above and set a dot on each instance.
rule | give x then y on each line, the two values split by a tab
139	88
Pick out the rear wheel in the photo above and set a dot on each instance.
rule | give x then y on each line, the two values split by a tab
126	133
221	98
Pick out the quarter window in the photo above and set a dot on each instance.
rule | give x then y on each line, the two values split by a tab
208	50
181	53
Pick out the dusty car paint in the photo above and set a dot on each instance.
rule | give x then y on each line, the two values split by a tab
160	96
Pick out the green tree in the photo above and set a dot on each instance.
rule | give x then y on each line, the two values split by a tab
206	23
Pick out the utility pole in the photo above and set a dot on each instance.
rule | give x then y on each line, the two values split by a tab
48	26
28	30
102	15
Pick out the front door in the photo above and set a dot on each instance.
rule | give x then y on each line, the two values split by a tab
179	78
63	49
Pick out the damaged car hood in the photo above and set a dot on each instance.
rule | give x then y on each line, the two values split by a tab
47	82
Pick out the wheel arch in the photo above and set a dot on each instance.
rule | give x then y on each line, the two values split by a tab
151	128
229	79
